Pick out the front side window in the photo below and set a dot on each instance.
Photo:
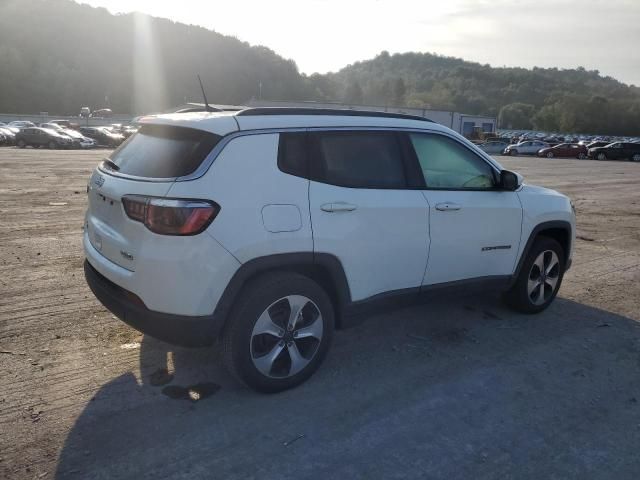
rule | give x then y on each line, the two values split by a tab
359	159
446	164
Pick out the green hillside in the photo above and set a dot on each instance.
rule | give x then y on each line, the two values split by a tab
57	55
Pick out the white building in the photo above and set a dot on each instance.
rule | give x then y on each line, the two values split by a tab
460	122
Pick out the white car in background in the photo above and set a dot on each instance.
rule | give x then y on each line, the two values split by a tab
528	147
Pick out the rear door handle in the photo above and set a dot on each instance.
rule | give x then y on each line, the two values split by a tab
338	207
447	206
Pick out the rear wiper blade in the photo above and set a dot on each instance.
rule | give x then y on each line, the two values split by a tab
111	165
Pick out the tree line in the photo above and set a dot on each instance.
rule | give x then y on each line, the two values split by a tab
57	55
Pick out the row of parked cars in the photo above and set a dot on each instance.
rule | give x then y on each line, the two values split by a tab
62	134
600	150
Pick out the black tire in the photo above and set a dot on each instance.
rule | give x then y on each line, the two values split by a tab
513	153
601	156
21	143
549	154
264	293
518	296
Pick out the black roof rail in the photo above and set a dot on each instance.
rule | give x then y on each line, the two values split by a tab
249	112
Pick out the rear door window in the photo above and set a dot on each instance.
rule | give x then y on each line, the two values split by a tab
358	159
163	151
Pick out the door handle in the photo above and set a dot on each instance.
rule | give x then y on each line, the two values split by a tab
447	206
338	207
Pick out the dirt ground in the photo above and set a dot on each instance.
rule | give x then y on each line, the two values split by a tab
455	388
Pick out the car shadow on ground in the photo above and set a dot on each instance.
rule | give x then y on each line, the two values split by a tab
458	388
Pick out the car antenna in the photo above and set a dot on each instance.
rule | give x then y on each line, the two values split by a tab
207	107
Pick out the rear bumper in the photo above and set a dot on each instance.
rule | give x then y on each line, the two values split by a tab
174	329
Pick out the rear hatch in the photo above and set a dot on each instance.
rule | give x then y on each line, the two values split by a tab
147	164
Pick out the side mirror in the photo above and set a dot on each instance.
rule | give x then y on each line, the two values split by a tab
509	181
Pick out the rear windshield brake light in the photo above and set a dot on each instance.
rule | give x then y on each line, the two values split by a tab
171	216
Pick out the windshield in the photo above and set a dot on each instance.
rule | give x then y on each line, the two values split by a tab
161	151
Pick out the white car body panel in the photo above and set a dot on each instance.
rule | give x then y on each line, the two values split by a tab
168	273
243	180
541	205
469	242
382	244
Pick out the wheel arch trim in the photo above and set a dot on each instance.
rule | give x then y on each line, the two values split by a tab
307	263
535	232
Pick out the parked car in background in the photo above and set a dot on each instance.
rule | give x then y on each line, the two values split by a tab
103	136
64	123
493	146
42	137
617	151
101	113
21	124
568	150
9	135
128	130
597	144
83	142
529	147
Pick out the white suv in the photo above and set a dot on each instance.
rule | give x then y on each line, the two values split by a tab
268	228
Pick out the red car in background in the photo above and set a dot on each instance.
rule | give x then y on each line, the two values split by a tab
570	150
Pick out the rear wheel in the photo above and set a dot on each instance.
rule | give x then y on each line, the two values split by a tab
601	156
279	332
540	277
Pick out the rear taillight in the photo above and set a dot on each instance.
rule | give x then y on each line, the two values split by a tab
168	216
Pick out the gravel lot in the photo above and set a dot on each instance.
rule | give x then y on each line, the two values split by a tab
455	388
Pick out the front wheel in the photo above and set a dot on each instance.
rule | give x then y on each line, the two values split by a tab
279	332
602	156
540	277
581	156
550	155
636	157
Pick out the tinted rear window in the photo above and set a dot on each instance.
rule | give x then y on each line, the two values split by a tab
163	151
360	159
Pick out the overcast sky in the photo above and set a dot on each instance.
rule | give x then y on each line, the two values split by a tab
326	35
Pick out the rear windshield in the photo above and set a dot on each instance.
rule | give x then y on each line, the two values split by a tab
163	151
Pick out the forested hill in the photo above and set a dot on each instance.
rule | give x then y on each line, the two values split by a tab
573	100
57	55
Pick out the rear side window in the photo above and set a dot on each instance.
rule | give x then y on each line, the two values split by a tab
293	154
163	151
359	159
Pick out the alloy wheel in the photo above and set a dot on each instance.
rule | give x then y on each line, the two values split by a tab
543	277
286	336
